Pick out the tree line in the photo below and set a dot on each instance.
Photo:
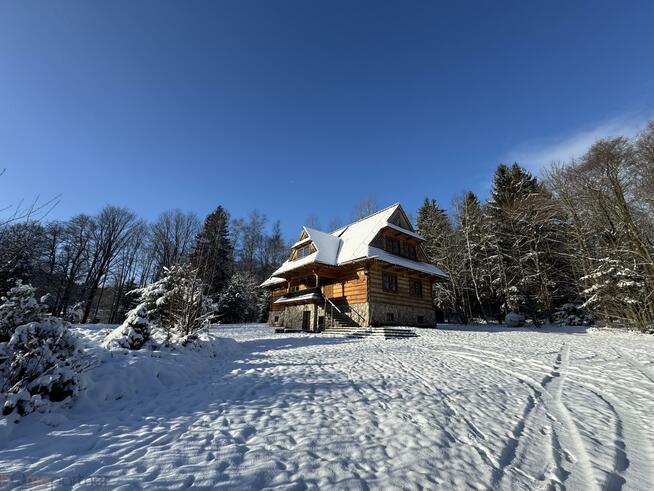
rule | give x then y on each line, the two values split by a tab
89	264
578	242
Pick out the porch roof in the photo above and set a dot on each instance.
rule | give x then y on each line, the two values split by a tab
308	297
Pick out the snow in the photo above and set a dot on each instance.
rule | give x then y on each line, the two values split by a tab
404	231
299	298
327	246
387	257
273	281
462	407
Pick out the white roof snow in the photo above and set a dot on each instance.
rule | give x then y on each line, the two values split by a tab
387	257
273	280
352	243
299	298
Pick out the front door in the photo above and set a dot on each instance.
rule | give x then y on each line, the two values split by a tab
306	320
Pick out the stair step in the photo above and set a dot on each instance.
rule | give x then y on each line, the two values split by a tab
376	332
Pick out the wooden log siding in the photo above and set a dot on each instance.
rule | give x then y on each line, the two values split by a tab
276	294
403	295
351	288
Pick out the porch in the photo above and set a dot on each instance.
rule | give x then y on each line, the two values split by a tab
310	310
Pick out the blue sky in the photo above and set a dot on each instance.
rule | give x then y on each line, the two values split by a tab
300	108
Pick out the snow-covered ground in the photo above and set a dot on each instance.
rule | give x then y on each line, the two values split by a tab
454	408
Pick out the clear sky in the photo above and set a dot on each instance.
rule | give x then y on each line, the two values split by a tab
300	108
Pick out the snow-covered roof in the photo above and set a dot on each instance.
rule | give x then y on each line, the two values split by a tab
352	243
405	231
387	257
273	280
299	298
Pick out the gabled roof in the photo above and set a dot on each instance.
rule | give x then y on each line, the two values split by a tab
352	243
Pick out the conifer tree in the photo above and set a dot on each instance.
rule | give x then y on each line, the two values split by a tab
442	249
529	260
213	253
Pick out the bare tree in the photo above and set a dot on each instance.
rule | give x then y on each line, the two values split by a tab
113	231
173	237
365	207
312	221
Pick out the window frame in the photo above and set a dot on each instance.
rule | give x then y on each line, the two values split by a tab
392	240
391	285
413	291
410	251
301	255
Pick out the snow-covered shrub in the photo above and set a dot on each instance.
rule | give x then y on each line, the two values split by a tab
617	291
132	334
177	303
19	307
263	304
239	302
570	314
514	319
76	313
43	362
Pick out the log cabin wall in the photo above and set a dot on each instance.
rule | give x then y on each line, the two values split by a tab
349	287
276	294
402	296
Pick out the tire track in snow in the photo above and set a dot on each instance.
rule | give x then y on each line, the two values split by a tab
540	404
633	450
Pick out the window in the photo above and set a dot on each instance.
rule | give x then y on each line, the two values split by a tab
389	282
294	289
421	319
276	318
393	246
302	252
390	317
415	288
408	250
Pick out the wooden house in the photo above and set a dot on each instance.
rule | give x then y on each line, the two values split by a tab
372	272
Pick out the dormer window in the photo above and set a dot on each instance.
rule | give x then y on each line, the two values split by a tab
408	250
393	246
303	251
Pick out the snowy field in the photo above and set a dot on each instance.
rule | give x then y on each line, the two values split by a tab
453	409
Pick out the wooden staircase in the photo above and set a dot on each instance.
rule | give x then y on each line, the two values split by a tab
385	332
337	322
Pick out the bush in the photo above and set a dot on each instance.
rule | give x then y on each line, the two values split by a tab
133	334
42	364
571	315
19	307
513	319
177	303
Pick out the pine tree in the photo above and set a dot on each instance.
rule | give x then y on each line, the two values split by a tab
213	254
617	291
19	307
238	302
133	333
443	250
475	254
177	303
528	241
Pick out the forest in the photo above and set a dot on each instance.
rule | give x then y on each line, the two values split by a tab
575	244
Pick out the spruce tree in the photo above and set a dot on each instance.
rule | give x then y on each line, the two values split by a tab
443	250
528	242
213	253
